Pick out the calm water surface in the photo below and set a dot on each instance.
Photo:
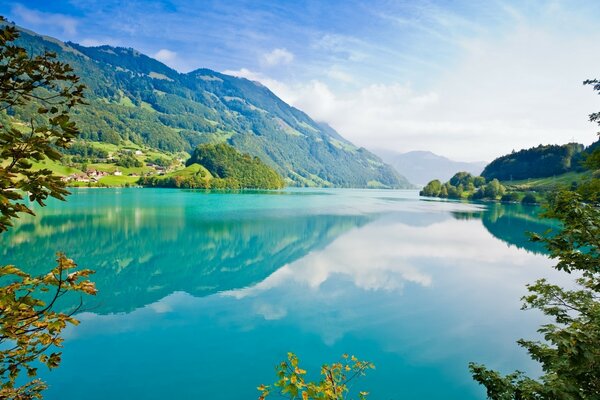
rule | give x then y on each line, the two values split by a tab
201	294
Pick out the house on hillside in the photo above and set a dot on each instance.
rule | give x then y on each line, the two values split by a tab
78	177
93	173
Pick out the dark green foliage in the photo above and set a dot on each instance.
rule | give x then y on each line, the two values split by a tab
592	161
536	162
432	189
493	189
479	194
51	89
570	352
127	160
478	181
590	190
453	191
220	166
135	98
161	161
461	178
529	198
197	180
464	185
510	197
86	151
224	162
585	160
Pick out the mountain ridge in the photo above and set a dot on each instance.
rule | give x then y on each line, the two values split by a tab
541	161
422	166
133	97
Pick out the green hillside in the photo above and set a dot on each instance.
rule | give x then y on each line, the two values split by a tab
525	176
539	162
136	99
549	183
219	166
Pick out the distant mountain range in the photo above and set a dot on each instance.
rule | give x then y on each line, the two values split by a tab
135	98
420	167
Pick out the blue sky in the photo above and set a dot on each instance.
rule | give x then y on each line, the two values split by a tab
466	79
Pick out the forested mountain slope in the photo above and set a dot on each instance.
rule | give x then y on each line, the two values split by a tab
539	162
133	97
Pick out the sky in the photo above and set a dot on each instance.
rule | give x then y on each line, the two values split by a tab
470	80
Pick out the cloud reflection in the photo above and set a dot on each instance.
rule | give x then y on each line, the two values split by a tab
388	254
410	291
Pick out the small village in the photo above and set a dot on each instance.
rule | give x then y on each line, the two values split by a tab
94	175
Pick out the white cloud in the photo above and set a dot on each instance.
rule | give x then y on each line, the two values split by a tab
345	47
505	92
270	312
277	57
166	56
504	88
88	42
282	90
339	74
251	75
402	253
34	18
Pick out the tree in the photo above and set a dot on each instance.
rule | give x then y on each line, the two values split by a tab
479	181
291	381
432	189
461	178
570	352
29	326
128	160
529	198
510	197
53	88
453	191
235	169
494	189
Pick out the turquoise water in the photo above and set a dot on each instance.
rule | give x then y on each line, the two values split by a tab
202	294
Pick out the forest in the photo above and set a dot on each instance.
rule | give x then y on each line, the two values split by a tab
219	166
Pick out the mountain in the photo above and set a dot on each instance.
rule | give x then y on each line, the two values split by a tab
135	98
420	167
539	162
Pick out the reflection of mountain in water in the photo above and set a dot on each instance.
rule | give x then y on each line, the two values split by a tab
511	224
142	255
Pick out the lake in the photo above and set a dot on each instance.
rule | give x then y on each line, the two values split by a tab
202	294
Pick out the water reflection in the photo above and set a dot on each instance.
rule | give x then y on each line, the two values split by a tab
142	254
420	288
512	223
145	245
